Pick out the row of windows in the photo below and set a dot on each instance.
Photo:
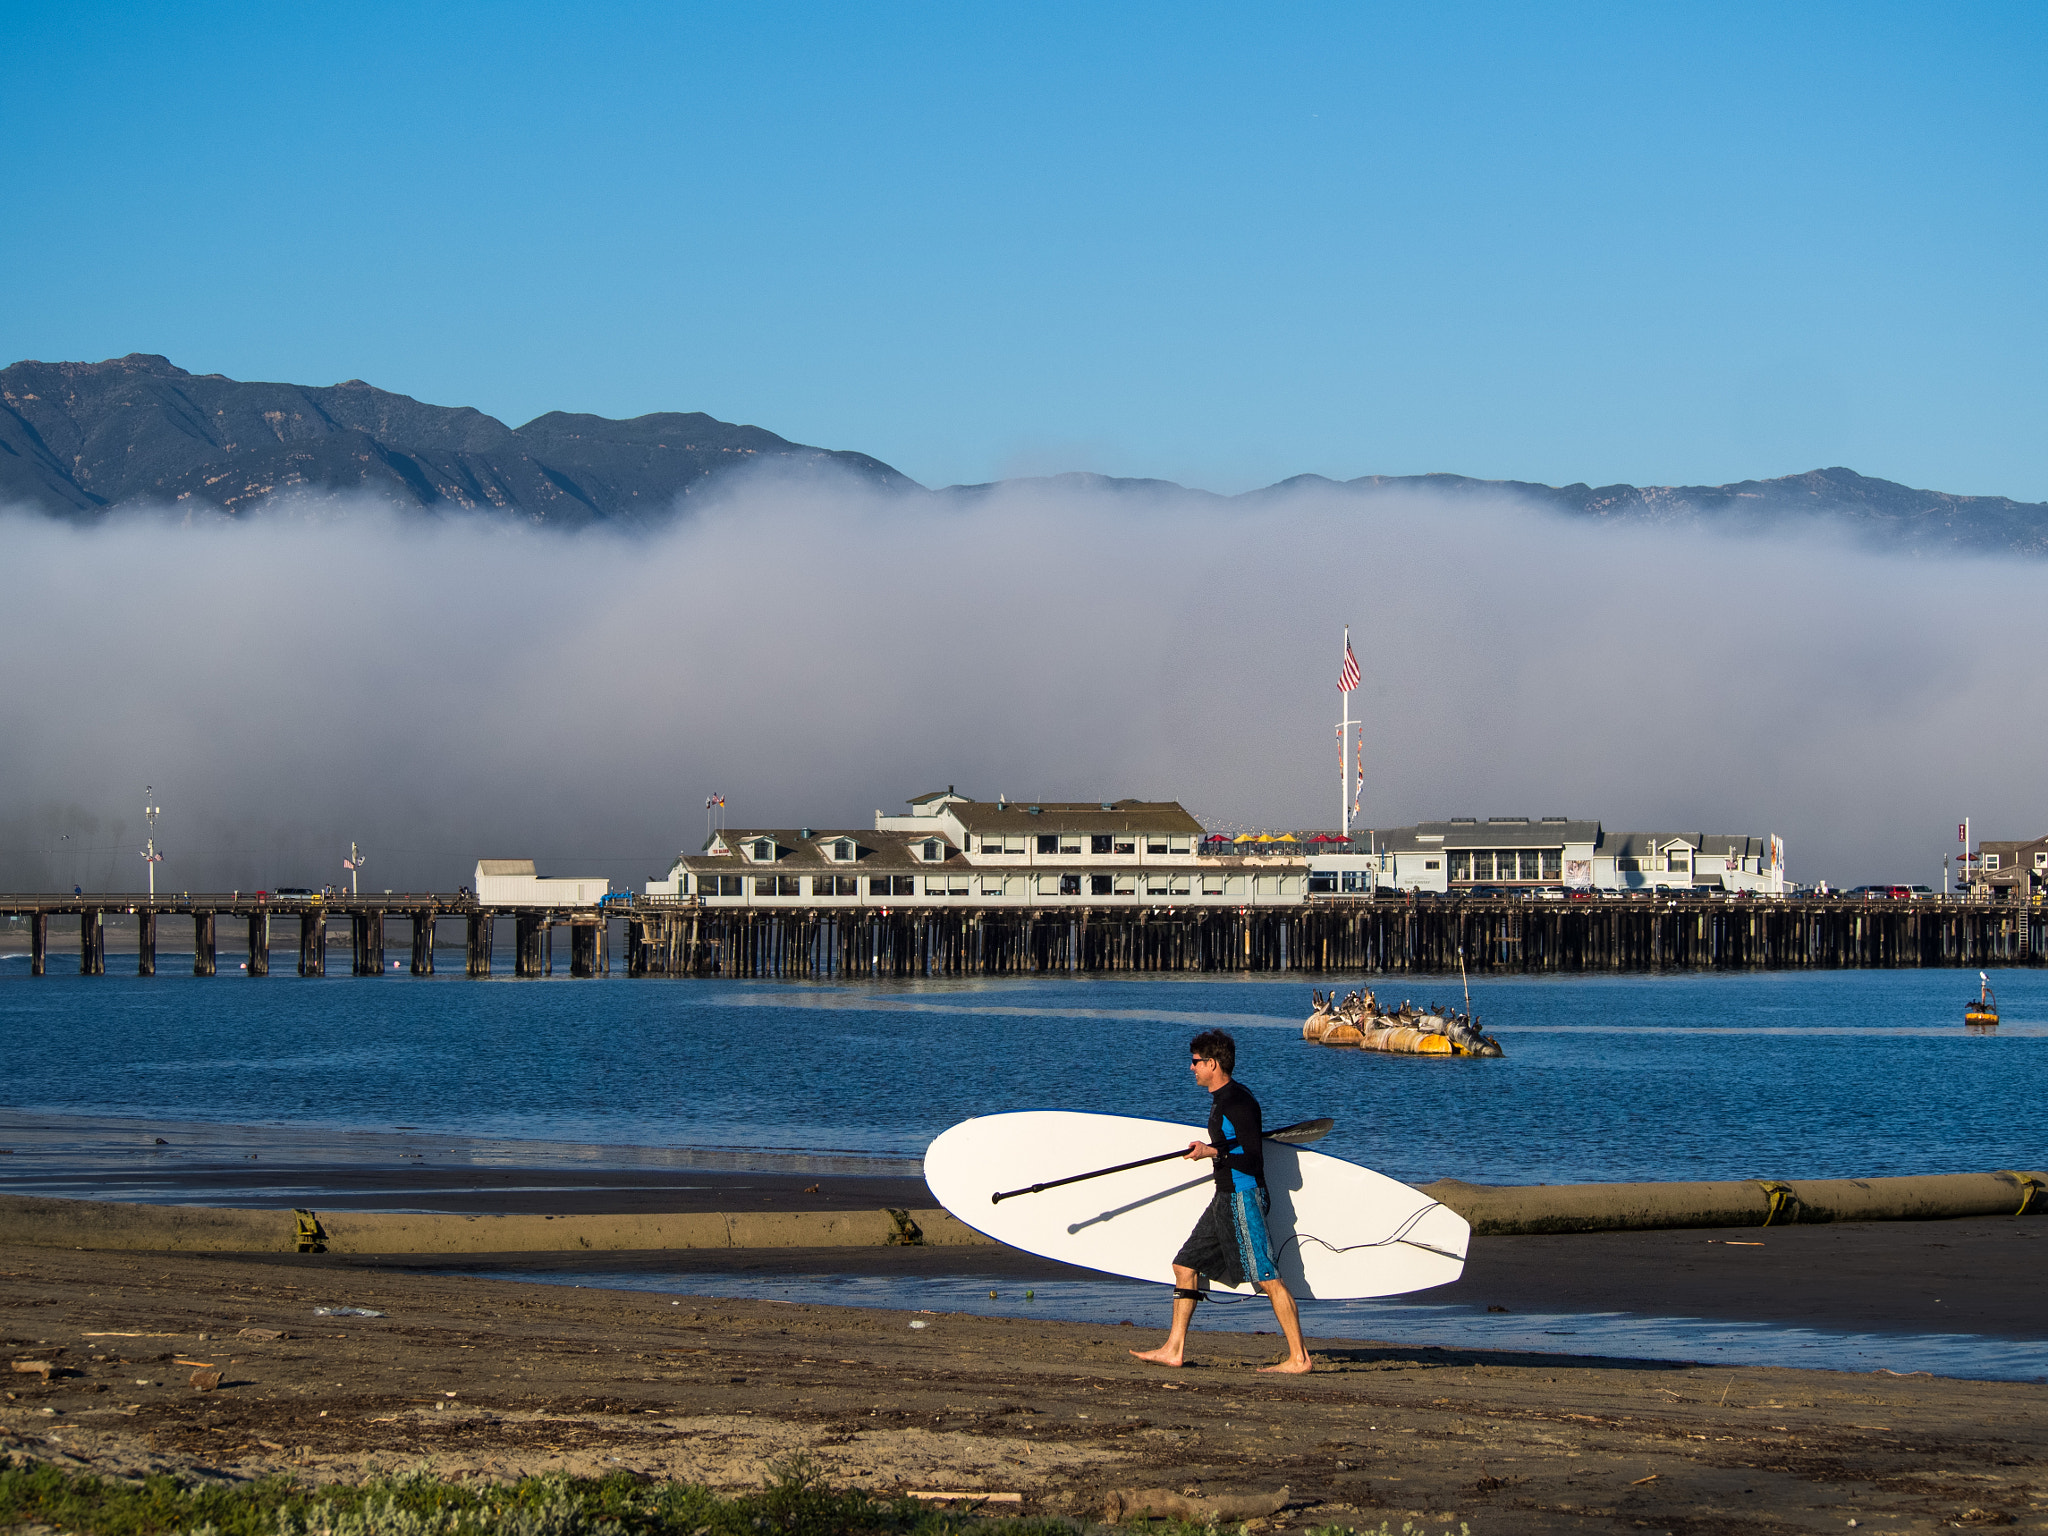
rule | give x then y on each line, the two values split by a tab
1679	859
1110	844
1507	864
991	883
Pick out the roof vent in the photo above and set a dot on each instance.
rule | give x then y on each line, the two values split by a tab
1464	821
804	833
1031	810
1508	821
1107	806
1557	818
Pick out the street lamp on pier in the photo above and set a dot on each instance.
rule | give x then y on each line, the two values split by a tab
150	856
353	864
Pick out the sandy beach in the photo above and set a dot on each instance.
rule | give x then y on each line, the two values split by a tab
487	1377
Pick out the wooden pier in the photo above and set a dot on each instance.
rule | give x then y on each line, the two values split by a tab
1374	937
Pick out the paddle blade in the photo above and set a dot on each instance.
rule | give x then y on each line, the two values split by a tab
1302	1132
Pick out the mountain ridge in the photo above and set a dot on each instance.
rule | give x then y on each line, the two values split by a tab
79	440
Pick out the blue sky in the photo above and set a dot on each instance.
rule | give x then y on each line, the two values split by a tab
1219	245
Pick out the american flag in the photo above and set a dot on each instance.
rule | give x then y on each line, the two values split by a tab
1349	680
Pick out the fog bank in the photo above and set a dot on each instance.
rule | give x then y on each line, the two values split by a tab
442	691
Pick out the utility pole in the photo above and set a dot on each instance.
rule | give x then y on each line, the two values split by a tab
150	811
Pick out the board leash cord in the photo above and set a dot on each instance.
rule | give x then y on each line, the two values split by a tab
1398	1235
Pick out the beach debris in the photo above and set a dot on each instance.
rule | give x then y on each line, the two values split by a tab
1136	1503
259	1333
42	1368
986	1498
812	1189
918	1323
207	1380
346	1312
161	1142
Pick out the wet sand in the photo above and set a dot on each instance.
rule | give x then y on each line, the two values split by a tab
1971	1276
491	1378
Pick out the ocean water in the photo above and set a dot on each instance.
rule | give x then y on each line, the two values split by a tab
1836	1074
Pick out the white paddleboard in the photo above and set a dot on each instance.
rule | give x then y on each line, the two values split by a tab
1338	1230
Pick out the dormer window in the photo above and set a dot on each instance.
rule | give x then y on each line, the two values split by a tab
764	850
934	850
842	850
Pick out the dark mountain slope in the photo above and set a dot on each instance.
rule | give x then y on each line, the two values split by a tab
79	438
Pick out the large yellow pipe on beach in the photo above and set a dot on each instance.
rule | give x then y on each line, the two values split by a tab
1502	1209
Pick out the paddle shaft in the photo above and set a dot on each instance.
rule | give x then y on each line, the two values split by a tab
1143	1162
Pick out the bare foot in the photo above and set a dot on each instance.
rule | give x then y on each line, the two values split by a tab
1160	1356
1289	1367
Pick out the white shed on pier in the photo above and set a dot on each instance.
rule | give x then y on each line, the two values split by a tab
513	883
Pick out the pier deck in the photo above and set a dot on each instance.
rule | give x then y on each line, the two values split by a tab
1373	936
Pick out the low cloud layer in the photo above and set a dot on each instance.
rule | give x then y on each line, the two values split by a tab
439	692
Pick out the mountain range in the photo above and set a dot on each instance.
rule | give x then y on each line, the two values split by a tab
78	440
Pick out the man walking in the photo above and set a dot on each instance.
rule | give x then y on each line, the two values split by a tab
1229	1243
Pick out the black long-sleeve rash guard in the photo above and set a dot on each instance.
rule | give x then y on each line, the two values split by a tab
1245	1150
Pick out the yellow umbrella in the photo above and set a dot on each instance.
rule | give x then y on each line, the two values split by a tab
1266	837
1244	837
1284	837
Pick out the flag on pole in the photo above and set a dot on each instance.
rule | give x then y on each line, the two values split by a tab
1358	785
1349	680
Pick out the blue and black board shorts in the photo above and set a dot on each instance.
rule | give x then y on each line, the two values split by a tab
1229	1244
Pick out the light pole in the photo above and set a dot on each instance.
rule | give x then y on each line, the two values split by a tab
150	811
353	864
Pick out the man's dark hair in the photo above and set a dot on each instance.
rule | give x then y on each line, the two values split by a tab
1217	1046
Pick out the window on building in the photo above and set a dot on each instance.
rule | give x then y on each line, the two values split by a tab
764	850
1461	865
1678	859
835	885
1015	845
944	885
1126	847
1265	885
1126	885
1156	885
991	845
1322	882
1048	885
1155	845
994	885
892	885
720	885
1360	880
934	850
1627	866
1048	844
1177	886
1101	885
1482	866
1070	885
1553	864
1099	844
778	885
1531	860
1432	864
1212	885
1990	860
1070	845
843	850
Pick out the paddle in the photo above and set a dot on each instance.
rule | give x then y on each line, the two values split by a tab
1295	1135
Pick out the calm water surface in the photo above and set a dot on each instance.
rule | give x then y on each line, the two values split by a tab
1803	1076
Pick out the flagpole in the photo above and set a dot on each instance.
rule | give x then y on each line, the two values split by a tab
1344	752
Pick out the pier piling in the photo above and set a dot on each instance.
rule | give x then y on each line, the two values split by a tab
259	944
145	944
202	944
